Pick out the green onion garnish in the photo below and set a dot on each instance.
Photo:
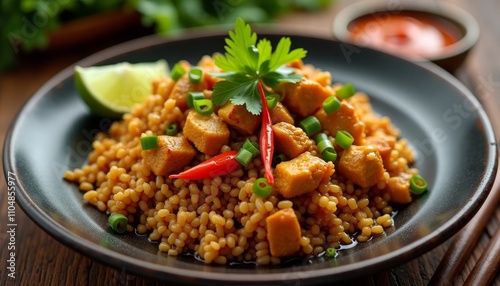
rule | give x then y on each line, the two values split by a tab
418	185
262	188
252	147
244	157
344	139
329	155
310	125
346	91
149	142
195	74
177	72
203	106
192	96
272	100
331	104
331	252
118	222
171	129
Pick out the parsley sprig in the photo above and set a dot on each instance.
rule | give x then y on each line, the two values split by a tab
246	62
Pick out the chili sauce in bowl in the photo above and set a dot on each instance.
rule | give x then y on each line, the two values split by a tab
441	33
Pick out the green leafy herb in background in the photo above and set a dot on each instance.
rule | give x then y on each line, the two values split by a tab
25	24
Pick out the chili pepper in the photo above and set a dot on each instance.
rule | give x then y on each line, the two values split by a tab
266	137
219	165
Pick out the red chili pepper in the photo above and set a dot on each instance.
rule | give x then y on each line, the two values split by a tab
266	137
219	165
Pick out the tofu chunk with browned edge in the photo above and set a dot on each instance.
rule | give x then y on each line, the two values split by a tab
305	97
345	118
239	118
362	165
172	155
301	175
280	114
283	233
290	140
208	133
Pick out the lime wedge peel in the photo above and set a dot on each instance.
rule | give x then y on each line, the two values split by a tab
112	90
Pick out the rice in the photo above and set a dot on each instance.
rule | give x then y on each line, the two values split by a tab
220	220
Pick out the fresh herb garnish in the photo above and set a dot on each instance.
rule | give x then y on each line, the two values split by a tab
247	62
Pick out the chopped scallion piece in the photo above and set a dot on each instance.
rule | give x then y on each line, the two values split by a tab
244	157
149	142
331	104
418	185
177	72
195	74
118	222
252	147
329	155
344	139
203	106
192	96
262	188
331	252
310	125
172	129
346	91
272	100
320	137
325	145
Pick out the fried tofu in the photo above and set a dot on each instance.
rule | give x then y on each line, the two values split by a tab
345	118
362	165
208	133
290	140
305	97
239	118
172	155
301	175
399	189
280	114
283	233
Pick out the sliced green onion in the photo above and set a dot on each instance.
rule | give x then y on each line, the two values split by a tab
118	222
262	188
331	104
203	106
279	158
324	145
344	139
192	96
177	72
346	91
149	142
310	125
252	147
195	74
272	100
331	252
172	129
320	137
329	155
418	185
244	157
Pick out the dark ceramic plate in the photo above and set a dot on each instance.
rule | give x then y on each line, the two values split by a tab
453	138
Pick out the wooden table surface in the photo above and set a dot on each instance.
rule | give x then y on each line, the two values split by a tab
42	260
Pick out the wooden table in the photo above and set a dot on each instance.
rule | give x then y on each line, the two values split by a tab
41	260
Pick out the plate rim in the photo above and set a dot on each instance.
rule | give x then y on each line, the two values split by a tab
117	260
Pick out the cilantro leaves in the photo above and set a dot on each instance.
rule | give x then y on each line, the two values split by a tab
246	62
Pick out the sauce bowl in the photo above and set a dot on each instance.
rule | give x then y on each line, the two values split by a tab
432	31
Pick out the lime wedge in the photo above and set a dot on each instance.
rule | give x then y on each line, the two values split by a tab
112	90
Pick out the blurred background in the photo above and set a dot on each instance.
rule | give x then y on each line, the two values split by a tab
29	26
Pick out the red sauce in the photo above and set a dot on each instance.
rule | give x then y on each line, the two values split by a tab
406	33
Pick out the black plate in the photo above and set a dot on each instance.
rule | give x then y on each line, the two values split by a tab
455	144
